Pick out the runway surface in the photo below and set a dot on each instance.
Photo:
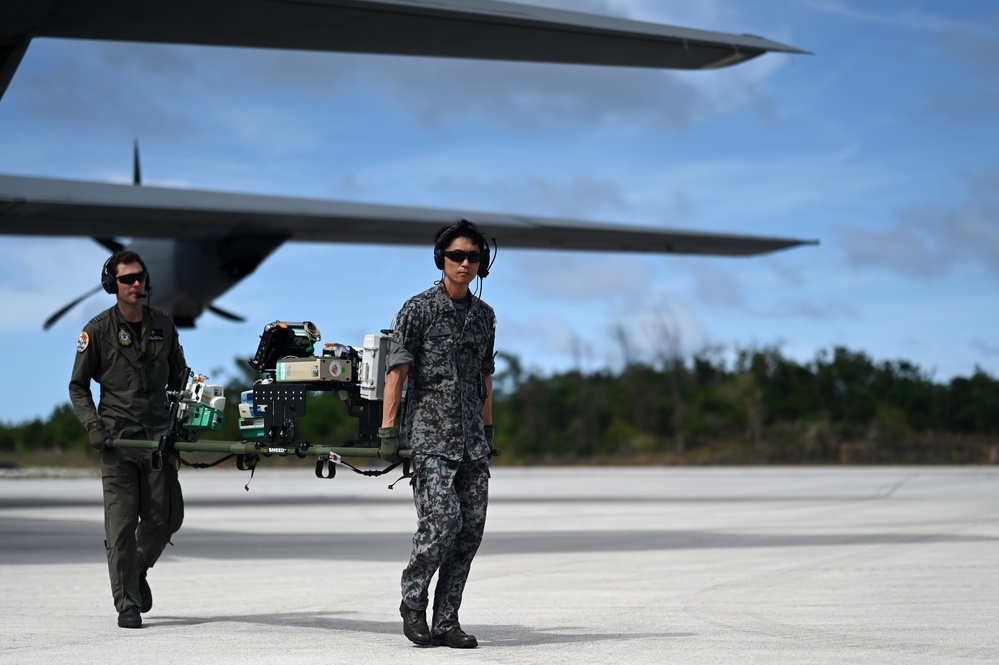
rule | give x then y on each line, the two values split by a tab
579	565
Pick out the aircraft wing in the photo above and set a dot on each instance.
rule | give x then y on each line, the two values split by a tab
43	206
478	29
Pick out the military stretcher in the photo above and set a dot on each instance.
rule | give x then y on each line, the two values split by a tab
290	369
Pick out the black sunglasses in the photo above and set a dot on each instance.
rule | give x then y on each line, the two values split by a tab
132	278
459	257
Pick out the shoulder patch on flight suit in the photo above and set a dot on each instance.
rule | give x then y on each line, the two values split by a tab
82	342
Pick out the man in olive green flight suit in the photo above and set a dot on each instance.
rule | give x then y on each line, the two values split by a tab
133	352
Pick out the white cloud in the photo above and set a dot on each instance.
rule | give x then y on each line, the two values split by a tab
930	240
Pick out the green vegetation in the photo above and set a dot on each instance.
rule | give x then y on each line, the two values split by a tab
842	407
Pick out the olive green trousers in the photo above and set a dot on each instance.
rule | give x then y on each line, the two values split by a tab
143	508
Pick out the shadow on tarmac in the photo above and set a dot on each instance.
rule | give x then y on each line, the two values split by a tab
64	541
502	636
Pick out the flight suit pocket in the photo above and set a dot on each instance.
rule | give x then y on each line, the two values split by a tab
437	350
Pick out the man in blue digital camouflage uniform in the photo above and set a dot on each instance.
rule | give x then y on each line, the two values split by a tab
133	352
442	349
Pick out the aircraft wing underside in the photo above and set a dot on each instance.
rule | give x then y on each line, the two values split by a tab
477	29
42	206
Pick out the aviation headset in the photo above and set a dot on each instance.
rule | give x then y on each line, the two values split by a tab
109	281
461	228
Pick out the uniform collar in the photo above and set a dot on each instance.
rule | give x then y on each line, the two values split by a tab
119	318
443	297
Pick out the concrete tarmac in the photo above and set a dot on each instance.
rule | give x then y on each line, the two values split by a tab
579	565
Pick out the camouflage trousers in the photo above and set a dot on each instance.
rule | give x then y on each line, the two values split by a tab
451	499
143	508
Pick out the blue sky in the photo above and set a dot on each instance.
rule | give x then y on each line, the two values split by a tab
883	145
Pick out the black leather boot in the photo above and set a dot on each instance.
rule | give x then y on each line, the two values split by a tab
130	618
414	625
455	638
145	593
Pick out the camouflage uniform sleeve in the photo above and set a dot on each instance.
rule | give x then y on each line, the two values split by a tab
406	335
85	368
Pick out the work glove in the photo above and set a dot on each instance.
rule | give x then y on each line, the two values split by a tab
389	433
490	432
97	436
391	439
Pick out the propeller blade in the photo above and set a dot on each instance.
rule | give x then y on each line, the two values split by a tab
58	315
110	243
226	315
136	171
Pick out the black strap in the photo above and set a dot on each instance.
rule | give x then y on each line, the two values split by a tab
208	465
406	472
204	465
369	473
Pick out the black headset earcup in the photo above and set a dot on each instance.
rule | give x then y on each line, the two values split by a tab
149	286
439	243
484	263
109	283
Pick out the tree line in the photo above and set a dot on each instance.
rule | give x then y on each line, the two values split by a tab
759	407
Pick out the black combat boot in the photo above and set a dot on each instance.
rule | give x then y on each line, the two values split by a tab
414	625
130	618
455	638
145	593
